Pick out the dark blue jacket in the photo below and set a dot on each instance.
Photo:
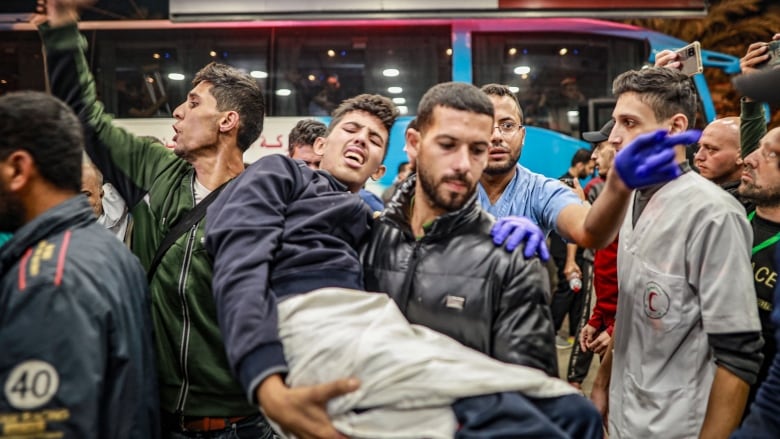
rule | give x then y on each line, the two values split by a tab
76	349
763	422
278	229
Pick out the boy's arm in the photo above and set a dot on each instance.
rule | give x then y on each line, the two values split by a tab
244	228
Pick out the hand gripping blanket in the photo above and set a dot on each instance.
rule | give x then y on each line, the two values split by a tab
410	375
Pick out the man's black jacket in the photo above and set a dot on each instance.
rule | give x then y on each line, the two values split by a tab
456	281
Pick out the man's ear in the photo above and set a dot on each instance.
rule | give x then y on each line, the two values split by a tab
229	121
17	169
413	139
380	171
319	146
679	124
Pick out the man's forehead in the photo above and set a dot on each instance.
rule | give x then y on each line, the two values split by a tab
503	105
631	104
440	110
719	137
363	118
201	89
771	140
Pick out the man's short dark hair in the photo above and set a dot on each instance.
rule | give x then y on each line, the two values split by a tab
666	91
236	91
412	124
48	130
455	95
401	166
304	133
581	156
379	106
500	90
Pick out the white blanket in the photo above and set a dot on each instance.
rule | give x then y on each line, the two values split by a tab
410	375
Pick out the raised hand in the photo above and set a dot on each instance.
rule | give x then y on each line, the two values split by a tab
650	158
756	54
669	59
62	12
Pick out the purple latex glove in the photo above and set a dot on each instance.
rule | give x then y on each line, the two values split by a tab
515	230
649	159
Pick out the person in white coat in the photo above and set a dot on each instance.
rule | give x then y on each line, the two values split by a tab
687	335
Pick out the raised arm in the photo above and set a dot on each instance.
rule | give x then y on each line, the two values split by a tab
649	159
126	161
752	121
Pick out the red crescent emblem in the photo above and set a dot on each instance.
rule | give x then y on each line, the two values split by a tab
650	301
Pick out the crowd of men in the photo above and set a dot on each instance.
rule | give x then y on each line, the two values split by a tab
275	300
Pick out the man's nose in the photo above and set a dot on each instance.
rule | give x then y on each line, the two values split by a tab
461	160
496	137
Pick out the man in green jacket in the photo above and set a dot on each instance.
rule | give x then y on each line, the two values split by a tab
222	116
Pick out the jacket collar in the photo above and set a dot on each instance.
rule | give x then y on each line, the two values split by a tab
75	211
398	211
731	186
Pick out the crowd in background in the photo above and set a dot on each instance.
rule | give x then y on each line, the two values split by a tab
282	299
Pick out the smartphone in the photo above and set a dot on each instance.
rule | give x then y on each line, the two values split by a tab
690	59
774	55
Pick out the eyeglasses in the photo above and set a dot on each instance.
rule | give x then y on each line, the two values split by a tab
508	128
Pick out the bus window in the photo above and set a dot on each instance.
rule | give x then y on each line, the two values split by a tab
316	68
21	62
147	73
554	75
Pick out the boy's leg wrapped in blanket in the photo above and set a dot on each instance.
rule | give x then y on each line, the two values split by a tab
410	375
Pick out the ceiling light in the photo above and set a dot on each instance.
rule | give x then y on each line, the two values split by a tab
175	76
399	101
395	90
522	70
259	74
283	92
391	73
514	89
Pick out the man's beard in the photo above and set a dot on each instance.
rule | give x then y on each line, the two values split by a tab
449	203
502	168
760	196
583	174
11	211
